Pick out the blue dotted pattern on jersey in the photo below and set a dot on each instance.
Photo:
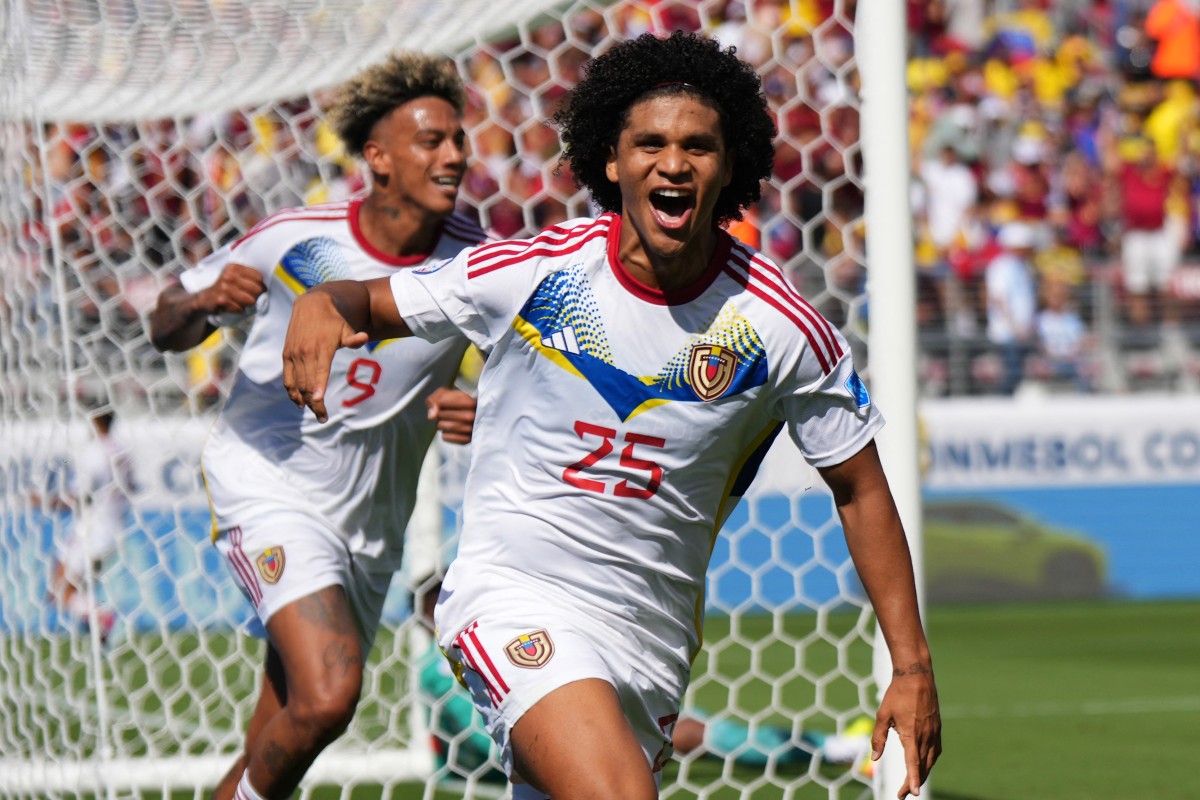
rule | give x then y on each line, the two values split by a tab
565	299
729	330
315	261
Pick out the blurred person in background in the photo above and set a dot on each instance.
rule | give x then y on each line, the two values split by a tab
1175	26
1011	292
1062	337
951	191
100	483
1150	246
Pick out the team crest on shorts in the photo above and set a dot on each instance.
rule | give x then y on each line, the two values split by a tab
711	370
270	564
530	650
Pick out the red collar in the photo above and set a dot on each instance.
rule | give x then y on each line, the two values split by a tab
374	252
675	297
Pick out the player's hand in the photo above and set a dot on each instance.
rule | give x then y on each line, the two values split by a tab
910	705
454	410
235	291
315	333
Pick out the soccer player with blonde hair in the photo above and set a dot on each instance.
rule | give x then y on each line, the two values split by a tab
639	365
310	518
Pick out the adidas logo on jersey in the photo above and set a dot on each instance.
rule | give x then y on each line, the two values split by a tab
562	340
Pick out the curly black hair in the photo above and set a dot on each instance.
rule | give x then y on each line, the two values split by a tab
373	93
598	109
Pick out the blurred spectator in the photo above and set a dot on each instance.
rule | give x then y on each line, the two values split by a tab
1016	111
1175	25
950	194
1063	341
1150	248
1012	301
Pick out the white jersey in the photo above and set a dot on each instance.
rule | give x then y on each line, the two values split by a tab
618	425
102	478
359	470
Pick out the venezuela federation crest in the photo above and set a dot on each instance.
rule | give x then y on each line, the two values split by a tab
530	650
711	369
270	564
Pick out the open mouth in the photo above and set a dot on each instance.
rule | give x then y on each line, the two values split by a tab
448	182
672	207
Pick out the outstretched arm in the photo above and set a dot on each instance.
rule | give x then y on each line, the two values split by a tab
880	552
180	320
328	317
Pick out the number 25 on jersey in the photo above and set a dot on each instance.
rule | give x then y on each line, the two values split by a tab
649	481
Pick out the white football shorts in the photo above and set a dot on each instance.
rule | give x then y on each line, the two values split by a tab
517	653
276	558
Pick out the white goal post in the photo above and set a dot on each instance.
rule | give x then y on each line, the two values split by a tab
136	136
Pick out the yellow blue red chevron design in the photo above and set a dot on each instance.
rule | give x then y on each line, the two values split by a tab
315	261
312	262
561	320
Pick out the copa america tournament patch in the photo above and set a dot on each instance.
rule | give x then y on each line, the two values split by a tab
858	390
429	269
530	650
270	564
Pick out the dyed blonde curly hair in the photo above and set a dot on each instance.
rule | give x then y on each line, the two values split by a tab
373	93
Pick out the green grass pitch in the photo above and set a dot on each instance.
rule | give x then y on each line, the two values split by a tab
1039	701
1060	702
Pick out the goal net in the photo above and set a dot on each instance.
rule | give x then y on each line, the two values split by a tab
136	137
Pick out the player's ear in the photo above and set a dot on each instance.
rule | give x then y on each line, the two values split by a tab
727	176
610	167
378	161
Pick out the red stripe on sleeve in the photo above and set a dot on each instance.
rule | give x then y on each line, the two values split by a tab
771	274
758	279
538	251
275	219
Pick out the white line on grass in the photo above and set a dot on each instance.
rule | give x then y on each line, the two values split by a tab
1146	705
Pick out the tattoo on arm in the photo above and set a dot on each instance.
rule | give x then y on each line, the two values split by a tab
912	669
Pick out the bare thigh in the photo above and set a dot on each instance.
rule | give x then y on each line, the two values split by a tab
576	744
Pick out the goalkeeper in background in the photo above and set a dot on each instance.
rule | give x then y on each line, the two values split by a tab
310	518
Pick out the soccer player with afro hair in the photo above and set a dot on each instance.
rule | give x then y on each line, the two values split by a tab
639	366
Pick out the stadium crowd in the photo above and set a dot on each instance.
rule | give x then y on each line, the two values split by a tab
1053	155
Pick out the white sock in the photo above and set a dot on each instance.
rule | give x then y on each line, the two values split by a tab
245	791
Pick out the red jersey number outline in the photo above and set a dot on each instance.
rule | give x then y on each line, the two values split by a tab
366	388
573	474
